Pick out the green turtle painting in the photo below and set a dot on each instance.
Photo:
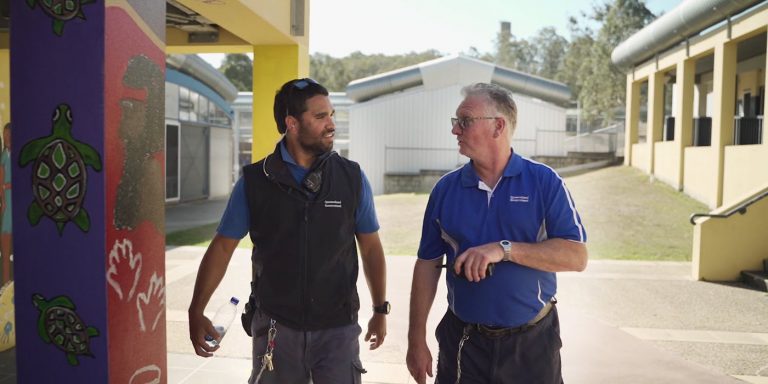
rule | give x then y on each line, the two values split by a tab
61	11
59	173
60	325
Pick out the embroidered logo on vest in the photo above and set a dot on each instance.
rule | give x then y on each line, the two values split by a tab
332	204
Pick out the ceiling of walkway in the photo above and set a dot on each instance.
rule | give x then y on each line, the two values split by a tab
196	26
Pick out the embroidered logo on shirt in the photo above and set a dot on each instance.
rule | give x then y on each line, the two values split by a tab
518	199
332	204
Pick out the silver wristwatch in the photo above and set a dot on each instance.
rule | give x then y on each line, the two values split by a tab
506	245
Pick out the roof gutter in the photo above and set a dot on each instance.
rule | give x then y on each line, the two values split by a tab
534	86
371	87
684	21
200	69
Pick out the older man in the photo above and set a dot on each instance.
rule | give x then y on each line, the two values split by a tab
506	224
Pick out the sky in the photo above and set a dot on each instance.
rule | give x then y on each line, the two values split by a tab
340	27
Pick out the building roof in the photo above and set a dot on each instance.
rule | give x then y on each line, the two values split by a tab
458	69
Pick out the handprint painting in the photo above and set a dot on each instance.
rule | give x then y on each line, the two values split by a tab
135	216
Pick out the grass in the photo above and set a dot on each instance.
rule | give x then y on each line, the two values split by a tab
626	217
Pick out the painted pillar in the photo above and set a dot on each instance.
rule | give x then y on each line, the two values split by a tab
632	117
273	65
655	115
7	314
724	91
683	112
88	107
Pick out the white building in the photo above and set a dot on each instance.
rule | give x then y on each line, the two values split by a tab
198	130
400	123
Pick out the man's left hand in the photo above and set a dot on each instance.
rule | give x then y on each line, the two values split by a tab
377	330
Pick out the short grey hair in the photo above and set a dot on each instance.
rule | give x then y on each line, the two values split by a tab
499	97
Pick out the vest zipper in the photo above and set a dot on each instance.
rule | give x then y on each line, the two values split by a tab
305	272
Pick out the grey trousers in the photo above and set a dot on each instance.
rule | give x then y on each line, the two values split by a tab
330	356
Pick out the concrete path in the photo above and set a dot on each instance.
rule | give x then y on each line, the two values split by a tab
622	322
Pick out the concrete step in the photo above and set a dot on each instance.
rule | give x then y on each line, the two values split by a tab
756	279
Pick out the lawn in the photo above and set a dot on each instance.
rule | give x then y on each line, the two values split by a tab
626	216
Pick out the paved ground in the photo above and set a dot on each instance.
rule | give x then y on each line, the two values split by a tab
622	322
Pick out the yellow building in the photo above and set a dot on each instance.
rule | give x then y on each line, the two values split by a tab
701	69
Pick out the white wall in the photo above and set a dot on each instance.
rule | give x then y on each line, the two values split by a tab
220	163
409	131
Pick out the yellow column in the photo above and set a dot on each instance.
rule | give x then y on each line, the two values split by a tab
632	117
5	89
655	114
724	89
683	112
765	100
273	65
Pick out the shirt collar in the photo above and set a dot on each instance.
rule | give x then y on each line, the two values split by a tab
285	155
513	168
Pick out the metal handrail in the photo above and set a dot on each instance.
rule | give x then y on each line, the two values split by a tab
742	209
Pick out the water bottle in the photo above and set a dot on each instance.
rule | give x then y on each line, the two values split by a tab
223	319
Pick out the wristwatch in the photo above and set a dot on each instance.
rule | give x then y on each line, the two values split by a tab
383	309
506	245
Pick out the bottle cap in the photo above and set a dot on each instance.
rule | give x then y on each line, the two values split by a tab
234	300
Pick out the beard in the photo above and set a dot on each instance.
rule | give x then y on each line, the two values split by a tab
314	143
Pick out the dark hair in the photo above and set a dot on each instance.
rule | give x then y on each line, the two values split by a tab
291	99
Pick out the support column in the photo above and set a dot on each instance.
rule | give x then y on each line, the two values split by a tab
765	99
273	65
724	87
632	117
683	112
655	115
88	107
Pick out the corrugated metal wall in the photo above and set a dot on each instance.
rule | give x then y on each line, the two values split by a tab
409	131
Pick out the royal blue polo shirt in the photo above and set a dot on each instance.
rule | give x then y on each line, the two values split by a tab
236	220
529	204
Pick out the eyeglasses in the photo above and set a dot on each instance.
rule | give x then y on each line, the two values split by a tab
465	122
303	83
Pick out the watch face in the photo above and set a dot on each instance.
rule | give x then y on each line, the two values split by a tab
384	308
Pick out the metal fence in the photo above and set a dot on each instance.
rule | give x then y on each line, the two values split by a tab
545	143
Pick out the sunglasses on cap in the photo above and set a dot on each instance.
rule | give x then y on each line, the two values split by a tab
300	84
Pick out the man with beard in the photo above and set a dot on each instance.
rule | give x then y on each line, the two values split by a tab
303	206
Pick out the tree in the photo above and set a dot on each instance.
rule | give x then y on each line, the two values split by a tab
336	73
238	68
603	88
551	49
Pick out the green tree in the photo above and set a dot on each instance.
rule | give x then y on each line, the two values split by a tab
238	68
336	73
603	88
551	49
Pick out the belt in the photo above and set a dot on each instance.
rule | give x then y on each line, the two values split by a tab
496	332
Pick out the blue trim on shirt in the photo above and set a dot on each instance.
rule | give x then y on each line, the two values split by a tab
235	221
529	204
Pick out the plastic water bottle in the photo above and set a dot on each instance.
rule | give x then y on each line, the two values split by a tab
223	319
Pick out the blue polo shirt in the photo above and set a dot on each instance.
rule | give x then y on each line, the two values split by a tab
236	220
529	204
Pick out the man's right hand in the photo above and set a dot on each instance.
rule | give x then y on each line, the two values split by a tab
199	327
419	361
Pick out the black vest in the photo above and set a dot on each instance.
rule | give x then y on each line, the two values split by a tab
304	254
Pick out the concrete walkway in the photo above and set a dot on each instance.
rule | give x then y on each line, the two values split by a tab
622	322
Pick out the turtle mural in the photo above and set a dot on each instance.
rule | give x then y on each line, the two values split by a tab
59	173
61	11
61	325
